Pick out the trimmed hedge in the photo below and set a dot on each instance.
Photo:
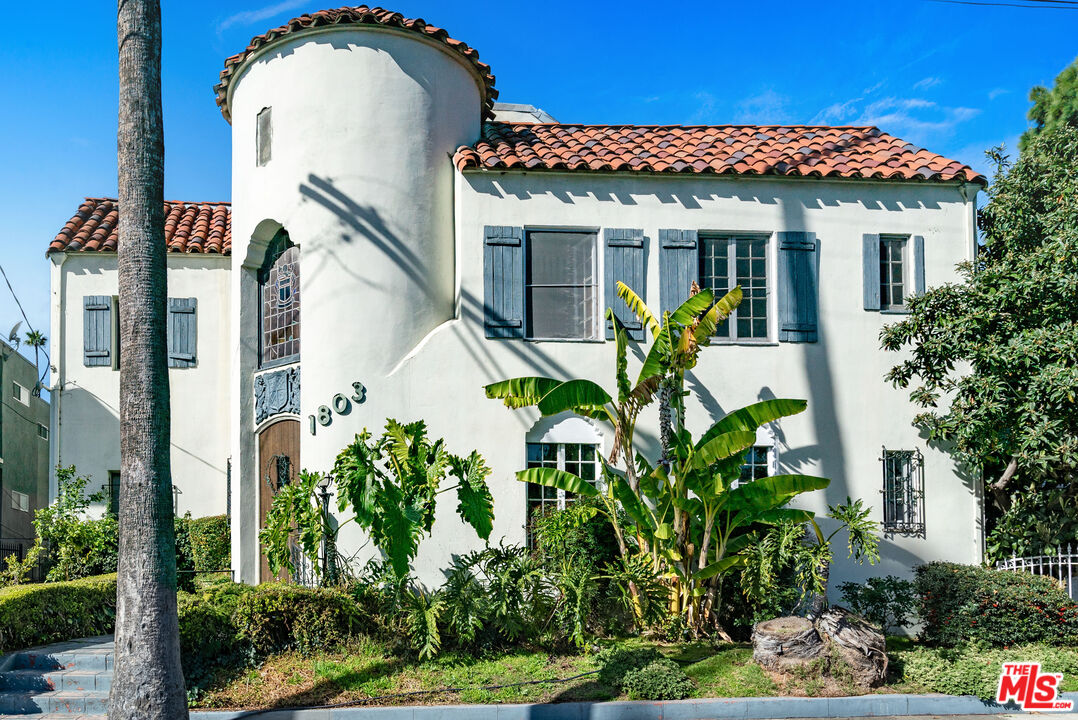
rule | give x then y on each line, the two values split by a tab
43	613
280	617
211	543
965	603
973	669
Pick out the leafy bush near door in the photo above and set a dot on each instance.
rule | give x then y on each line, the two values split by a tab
964	603
211	543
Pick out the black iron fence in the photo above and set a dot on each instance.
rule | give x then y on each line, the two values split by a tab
18	548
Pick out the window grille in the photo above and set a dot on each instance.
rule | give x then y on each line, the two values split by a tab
561	285
42	431
726	262
903	492
580	459
893	280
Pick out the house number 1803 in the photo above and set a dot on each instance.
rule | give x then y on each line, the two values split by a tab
340	404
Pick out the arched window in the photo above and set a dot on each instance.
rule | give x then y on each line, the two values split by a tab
278	285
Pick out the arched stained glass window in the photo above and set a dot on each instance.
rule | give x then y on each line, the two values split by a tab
279	292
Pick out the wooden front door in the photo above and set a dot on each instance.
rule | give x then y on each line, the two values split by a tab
278	453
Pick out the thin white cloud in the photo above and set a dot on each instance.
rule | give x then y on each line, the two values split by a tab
705	108
926	83
766	108
837	113
918	118
996	92
250	17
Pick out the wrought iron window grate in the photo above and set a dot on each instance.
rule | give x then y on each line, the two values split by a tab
903	492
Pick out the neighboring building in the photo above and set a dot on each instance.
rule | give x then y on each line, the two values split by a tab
443	248
24	450
86	334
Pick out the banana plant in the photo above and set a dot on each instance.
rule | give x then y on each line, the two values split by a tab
676	347
694	517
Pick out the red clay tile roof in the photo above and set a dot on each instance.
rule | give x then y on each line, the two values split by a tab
361	15
189	228
798	150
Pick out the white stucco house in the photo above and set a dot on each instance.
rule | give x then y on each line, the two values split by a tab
447	241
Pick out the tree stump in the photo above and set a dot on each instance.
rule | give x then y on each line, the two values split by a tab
861	644
787	642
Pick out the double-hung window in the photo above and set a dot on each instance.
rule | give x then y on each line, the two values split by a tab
730	260
903	492
894	279
18	392
580	459
561	288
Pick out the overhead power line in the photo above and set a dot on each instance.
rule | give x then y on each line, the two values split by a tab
1031	4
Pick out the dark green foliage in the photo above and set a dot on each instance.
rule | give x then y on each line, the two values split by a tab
888	601
615	662
658	680
1042	520
579	533
963	603
185	566
209	638
211	543
44	613
279	617
1055	106
993	359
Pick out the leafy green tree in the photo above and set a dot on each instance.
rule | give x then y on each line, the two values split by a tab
1055	106
993	359
74	545
391	485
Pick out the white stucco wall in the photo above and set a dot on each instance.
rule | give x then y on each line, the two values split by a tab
85	400
852	411
364	121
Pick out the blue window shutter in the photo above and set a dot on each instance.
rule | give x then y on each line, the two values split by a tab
679	267
182	332
870	260
503	281
797	286
918	256
624	262
97	331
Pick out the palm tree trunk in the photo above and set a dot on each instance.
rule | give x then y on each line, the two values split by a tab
148	682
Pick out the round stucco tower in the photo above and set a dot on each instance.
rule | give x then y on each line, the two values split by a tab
344	123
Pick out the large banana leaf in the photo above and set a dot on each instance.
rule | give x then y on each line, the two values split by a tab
552	477
771	492
753	416
692	308
521	391
658	355
629	501
722	447
581	396
638	307
728	562
621	340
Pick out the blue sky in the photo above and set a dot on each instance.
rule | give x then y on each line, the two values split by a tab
951	77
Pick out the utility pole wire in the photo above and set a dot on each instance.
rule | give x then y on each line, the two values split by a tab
1029	4
29	327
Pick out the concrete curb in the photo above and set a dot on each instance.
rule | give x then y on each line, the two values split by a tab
699	709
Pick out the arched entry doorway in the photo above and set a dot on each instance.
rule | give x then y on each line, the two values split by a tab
278	453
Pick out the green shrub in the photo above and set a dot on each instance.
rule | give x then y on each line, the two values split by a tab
278	617
53	612
974	669
209	638
211	543
615	662
658	680
963	603
888	601
76	547
577	533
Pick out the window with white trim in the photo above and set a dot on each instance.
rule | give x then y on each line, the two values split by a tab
757	464
20	501
727	261
561	286
20	393
42	431
580	459
894	281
